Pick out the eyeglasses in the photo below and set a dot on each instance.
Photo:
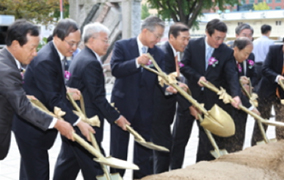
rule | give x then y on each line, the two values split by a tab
72	44
105	41
157	36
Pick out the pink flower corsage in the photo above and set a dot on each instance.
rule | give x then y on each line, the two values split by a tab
213	62
180	64
251	63
67	75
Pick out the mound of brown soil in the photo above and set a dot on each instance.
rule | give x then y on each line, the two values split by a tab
263	162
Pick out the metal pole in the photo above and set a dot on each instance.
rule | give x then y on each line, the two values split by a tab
61	9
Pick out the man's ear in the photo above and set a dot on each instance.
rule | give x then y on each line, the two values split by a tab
15	43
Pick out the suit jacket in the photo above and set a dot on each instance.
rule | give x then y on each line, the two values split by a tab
87	76
271	68
133	88
194	68
170	66
13	100
44	79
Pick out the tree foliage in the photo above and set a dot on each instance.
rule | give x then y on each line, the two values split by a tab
144	11
42	11
186	11
261	6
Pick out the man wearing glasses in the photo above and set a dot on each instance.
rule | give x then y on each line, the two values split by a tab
197	67
44	79
133	92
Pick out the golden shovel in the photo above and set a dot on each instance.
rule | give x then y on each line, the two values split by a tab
253	100
93	121
228	99
110	161
216	120
216	152
82	111
252	96
138	138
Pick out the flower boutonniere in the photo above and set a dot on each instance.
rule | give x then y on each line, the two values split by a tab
250	63
67	75
180	64
212	61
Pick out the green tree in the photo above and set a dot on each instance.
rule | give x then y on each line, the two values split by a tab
42	11
186	11
144	11
261	6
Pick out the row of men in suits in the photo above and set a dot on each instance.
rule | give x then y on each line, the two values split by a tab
133	93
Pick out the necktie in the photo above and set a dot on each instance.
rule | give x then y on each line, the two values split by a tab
239	67
277	89
144	50
177	66
64	64
208	55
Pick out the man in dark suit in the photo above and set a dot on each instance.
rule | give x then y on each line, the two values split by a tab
87	76
165	106
133	92
269	92
22	41
44	79
207	58
242	51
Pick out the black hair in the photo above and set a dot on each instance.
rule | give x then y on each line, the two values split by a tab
265	28
19	30
242	42
64	28
176	28
215	24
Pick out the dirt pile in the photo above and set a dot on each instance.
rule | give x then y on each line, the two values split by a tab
263	162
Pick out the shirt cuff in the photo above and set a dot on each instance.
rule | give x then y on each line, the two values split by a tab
251	108
53	122
75	124
277	78
137	64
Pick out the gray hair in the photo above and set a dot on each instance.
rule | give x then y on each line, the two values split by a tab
151	22
242	27
93	29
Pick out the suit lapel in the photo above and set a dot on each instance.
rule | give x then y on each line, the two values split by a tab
57	61
10	60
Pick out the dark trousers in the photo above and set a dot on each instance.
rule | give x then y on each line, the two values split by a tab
264	108
236	142
34	161
181	133
143	157
72	158
164	113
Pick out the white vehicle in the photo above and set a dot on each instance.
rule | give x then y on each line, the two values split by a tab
5	22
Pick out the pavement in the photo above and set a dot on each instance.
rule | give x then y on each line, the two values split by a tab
9	167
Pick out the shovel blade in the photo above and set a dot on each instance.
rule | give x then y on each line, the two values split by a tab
151	145
116	163
114	176
219	122
216	154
